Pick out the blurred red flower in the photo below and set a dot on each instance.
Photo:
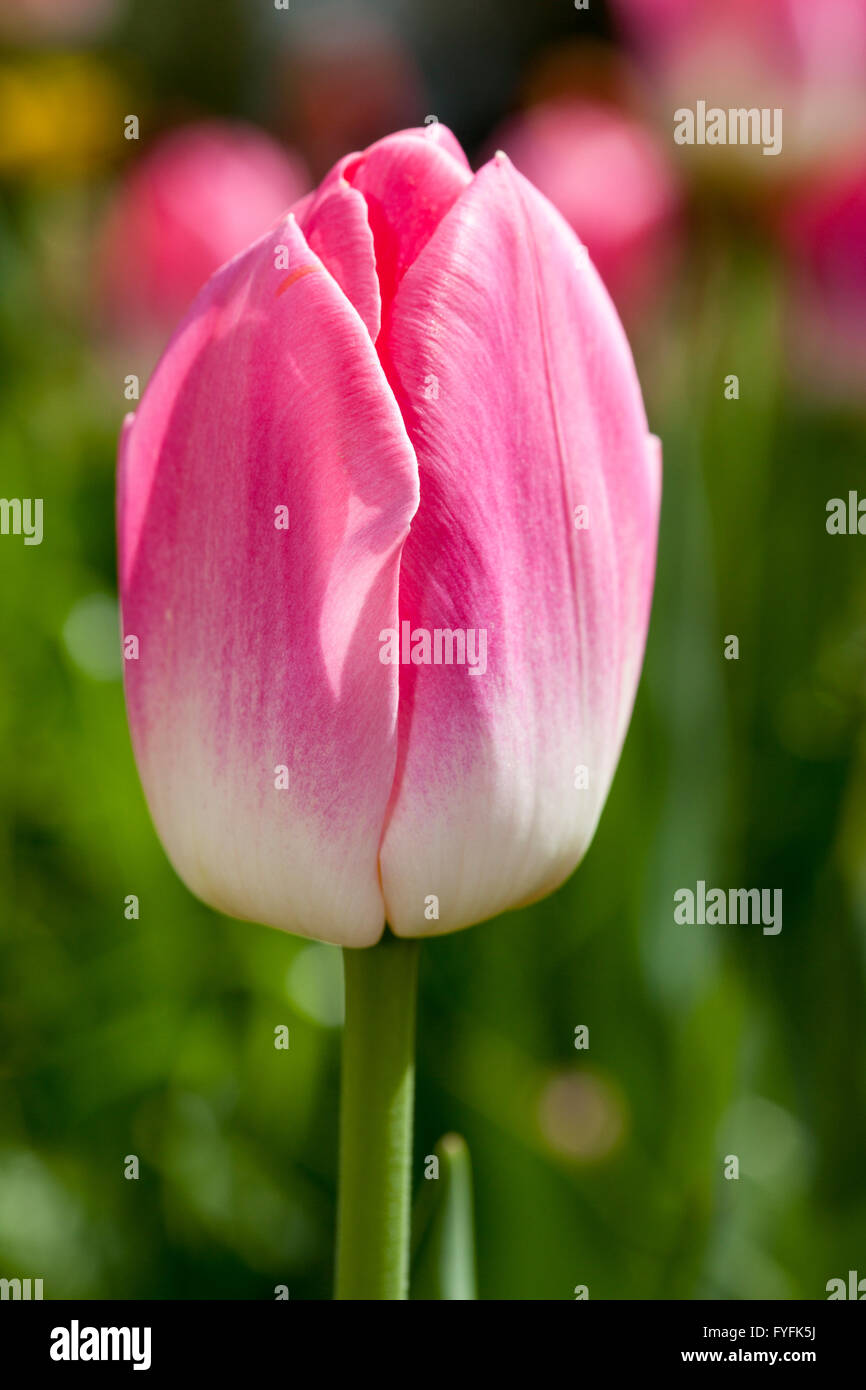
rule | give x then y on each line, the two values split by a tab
347	79
824	232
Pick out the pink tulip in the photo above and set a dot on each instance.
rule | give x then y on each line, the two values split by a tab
199	196
823	228
424	369
609	177
807	58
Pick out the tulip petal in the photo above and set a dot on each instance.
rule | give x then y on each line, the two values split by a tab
439	134
258	646
335	226
520	396
409	182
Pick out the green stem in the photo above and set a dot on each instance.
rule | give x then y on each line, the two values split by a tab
378	1086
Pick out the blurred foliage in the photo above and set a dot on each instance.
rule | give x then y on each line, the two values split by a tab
154	1037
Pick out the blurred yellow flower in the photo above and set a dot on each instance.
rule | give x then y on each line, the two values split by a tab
61	115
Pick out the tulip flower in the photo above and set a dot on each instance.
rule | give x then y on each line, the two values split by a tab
387	527
196	198
420	367
610	178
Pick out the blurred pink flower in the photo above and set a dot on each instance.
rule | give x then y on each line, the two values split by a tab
197	198
808	58
609	177
824	233
24	20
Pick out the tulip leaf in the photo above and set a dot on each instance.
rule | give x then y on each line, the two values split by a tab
444	1236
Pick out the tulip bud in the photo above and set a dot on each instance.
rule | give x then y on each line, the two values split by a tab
387	528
